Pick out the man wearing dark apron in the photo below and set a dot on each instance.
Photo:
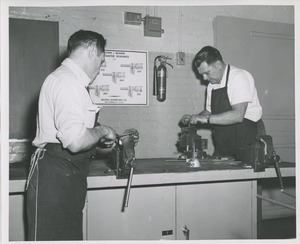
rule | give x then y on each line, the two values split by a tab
65	141
56	194
229	138
232	105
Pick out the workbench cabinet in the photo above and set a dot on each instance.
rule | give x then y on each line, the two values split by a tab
201	211
149	215
166	202
224	210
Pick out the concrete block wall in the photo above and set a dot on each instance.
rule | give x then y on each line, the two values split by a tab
186	28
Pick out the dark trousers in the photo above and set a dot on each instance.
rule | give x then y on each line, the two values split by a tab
56	195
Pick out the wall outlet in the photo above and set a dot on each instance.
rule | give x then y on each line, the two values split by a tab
180	58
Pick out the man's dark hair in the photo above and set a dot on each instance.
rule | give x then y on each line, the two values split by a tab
83	38
208	54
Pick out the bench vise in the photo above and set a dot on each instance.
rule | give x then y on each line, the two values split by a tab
261	154
122	157
122	160
190	144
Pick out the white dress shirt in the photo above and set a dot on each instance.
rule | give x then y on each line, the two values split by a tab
240	88
65	108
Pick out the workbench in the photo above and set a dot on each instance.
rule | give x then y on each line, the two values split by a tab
168	200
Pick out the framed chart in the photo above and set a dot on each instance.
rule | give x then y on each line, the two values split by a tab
122	79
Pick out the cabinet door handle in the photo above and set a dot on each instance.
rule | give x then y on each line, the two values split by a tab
186	232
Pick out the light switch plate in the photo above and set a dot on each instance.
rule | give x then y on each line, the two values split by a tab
180	58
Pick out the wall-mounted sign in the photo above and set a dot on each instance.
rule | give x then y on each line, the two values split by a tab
122	79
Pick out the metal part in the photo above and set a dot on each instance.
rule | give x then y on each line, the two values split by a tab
186	232
192	146
260	155
128	187
193	162
126	155
131	18
122	159
152	26
276	202
160	78
167	232
163	60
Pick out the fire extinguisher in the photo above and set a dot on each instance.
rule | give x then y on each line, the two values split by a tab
160	78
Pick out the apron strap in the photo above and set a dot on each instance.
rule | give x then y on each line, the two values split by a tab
227	75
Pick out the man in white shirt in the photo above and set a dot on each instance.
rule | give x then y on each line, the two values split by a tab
232	104
66	138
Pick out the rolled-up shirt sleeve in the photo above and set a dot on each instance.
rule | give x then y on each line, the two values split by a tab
240	89
69	113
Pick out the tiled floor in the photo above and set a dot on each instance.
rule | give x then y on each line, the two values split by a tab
283	228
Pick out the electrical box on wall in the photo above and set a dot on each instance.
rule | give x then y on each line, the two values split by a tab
132	18
152	26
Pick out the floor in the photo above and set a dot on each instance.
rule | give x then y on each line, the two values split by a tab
283	228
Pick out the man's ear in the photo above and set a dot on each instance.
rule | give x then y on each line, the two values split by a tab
92	52
218	64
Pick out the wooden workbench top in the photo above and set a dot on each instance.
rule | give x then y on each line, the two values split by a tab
160	171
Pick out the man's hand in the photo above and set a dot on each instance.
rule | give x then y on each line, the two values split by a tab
110	136
185	120
134	133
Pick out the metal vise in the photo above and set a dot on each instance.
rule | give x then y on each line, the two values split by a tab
261	154
190	144
122	158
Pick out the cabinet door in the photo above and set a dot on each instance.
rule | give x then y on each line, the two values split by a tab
217	210
17	217
150	214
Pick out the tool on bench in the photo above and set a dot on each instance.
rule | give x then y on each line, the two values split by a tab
122	159
260	156
191	145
